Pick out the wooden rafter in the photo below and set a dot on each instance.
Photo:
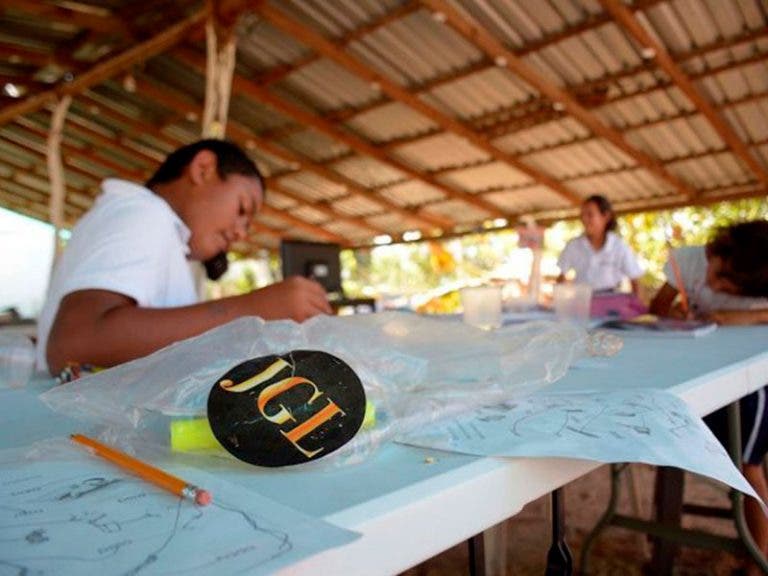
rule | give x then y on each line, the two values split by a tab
590	22
542	103
175	101
313	229
504	128
496	50
303	34
630	24
274	184
246	87
42	199
178	103
89	154
280	72
422	220
42	170
100	72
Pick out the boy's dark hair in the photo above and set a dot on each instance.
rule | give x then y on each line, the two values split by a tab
743	249
604	205
230	159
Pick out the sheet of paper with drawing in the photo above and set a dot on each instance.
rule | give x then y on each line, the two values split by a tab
650	426
69	513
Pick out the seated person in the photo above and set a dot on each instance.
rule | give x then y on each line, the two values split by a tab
124	286
726	281
599	257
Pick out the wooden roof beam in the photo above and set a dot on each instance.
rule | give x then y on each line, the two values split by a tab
280	72
312	120
421	220
521	121
168	98
313	229
426	87
100	72
303	34
89	154
136	126
491	46
41	170
84	131
274	184
632	26
104	21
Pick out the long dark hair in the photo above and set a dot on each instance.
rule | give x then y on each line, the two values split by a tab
743	248
604	205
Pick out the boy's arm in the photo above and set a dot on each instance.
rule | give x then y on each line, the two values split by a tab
739	317
661	305
105	328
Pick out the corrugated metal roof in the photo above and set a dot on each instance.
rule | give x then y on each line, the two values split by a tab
440	151
312	187
330	87
479	178
357	206
572	44
390	121
481	93
368	172
412	193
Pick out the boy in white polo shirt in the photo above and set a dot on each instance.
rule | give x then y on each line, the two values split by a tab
123	287
599	257
726	281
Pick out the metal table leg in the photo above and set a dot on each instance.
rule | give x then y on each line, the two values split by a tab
737	498
477	555
559	559
606	519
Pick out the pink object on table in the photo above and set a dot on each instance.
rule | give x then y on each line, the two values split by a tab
622	306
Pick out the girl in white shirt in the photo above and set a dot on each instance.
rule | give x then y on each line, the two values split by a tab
599	257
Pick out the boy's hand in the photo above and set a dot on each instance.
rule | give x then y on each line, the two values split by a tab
679	313
295	298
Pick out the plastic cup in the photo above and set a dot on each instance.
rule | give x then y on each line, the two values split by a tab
17	360
572	302
482	306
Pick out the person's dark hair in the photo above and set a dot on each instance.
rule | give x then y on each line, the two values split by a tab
743	248
604	205
230	159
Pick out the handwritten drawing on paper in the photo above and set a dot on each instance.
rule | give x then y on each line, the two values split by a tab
651	426
85	517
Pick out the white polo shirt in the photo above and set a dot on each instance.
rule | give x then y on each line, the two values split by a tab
130	242
602	269
693	263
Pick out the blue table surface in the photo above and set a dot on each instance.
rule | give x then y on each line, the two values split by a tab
644	362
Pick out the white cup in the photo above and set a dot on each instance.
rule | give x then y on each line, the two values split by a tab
572	302
17	360
482	306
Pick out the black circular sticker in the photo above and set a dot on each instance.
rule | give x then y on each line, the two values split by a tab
287	409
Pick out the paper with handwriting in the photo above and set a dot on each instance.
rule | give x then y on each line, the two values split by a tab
651	426
79	515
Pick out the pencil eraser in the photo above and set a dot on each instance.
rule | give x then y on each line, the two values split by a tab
203	498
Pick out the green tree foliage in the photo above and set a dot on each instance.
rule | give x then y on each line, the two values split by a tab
429	266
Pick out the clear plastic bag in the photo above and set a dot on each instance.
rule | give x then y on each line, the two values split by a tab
414	370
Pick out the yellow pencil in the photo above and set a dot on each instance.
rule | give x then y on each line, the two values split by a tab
145	471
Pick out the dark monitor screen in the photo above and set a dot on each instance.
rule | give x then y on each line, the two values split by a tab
316	260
